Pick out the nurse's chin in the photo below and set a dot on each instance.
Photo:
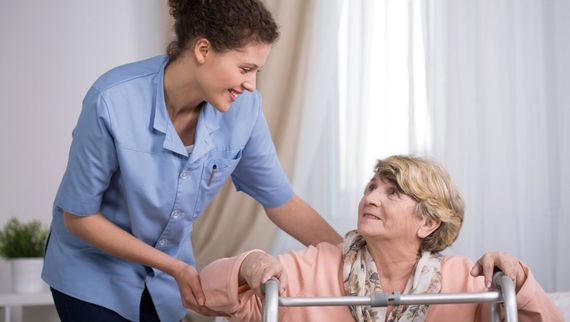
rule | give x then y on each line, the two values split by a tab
222	107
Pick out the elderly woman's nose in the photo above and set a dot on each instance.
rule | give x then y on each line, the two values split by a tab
373	198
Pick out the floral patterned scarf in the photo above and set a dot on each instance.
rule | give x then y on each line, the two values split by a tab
361	278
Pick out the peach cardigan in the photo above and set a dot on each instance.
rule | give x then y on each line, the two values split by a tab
317	271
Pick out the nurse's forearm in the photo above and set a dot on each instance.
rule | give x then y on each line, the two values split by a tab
102	233
302	222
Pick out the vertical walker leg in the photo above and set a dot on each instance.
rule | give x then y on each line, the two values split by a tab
271	301
507	287
494	314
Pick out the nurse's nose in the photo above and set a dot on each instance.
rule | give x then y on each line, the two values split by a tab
250	83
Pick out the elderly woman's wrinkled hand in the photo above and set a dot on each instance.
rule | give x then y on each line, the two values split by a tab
257	268
506	262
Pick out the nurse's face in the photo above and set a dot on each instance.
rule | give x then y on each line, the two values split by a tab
223	76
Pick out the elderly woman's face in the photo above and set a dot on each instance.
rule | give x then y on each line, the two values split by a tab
385	213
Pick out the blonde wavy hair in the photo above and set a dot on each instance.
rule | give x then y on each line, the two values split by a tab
432	188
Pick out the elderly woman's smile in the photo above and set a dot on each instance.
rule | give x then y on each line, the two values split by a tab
368	215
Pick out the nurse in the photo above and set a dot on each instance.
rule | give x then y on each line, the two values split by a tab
154	142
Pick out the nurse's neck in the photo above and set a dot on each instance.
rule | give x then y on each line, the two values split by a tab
181	91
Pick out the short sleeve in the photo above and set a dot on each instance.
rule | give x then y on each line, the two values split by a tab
259	172
92	159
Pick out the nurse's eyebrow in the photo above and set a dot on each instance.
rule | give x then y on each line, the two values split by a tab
251	65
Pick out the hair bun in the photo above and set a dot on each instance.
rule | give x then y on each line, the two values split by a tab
179	8
227	24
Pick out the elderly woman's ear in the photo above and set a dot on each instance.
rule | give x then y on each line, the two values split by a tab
427	227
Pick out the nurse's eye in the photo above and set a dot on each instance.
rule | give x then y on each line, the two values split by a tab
245	70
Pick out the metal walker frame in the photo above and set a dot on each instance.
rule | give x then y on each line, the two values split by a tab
503	291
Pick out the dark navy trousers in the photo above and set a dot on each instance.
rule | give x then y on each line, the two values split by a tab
71	309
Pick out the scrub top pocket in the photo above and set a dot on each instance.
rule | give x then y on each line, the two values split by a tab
216	171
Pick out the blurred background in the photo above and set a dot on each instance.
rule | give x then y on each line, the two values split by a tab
483	87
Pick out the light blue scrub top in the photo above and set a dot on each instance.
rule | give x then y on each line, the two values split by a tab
127	161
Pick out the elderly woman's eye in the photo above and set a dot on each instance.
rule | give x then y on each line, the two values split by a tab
393	191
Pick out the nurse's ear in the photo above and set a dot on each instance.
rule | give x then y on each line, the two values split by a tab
202	48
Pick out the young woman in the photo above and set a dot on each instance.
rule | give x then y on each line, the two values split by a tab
154	142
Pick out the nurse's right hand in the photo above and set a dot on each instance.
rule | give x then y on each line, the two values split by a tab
191	291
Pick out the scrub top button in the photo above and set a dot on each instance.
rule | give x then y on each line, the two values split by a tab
176	214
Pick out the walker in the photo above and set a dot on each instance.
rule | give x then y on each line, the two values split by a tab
503	291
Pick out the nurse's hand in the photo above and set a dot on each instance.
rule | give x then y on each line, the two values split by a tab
191	291
257	268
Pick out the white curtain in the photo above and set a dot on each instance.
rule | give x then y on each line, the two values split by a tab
316	164
497	80
374	85
357	108
483	87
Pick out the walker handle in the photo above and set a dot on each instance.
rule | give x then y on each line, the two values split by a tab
271	300
509	295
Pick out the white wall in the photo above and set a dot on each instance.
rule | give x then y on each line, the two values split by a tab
51	52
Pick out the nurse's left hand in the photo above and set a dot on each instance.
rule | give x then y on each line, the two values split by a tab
191	291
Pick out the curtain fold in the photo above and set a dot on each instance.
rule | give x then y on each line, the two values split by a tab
315	157
558	64
501	126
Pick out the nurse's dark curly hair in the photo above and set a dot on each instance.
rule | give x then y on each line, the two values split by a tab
227	24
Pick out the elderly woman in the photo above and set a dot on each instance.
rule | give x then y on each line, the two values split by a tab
409	213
